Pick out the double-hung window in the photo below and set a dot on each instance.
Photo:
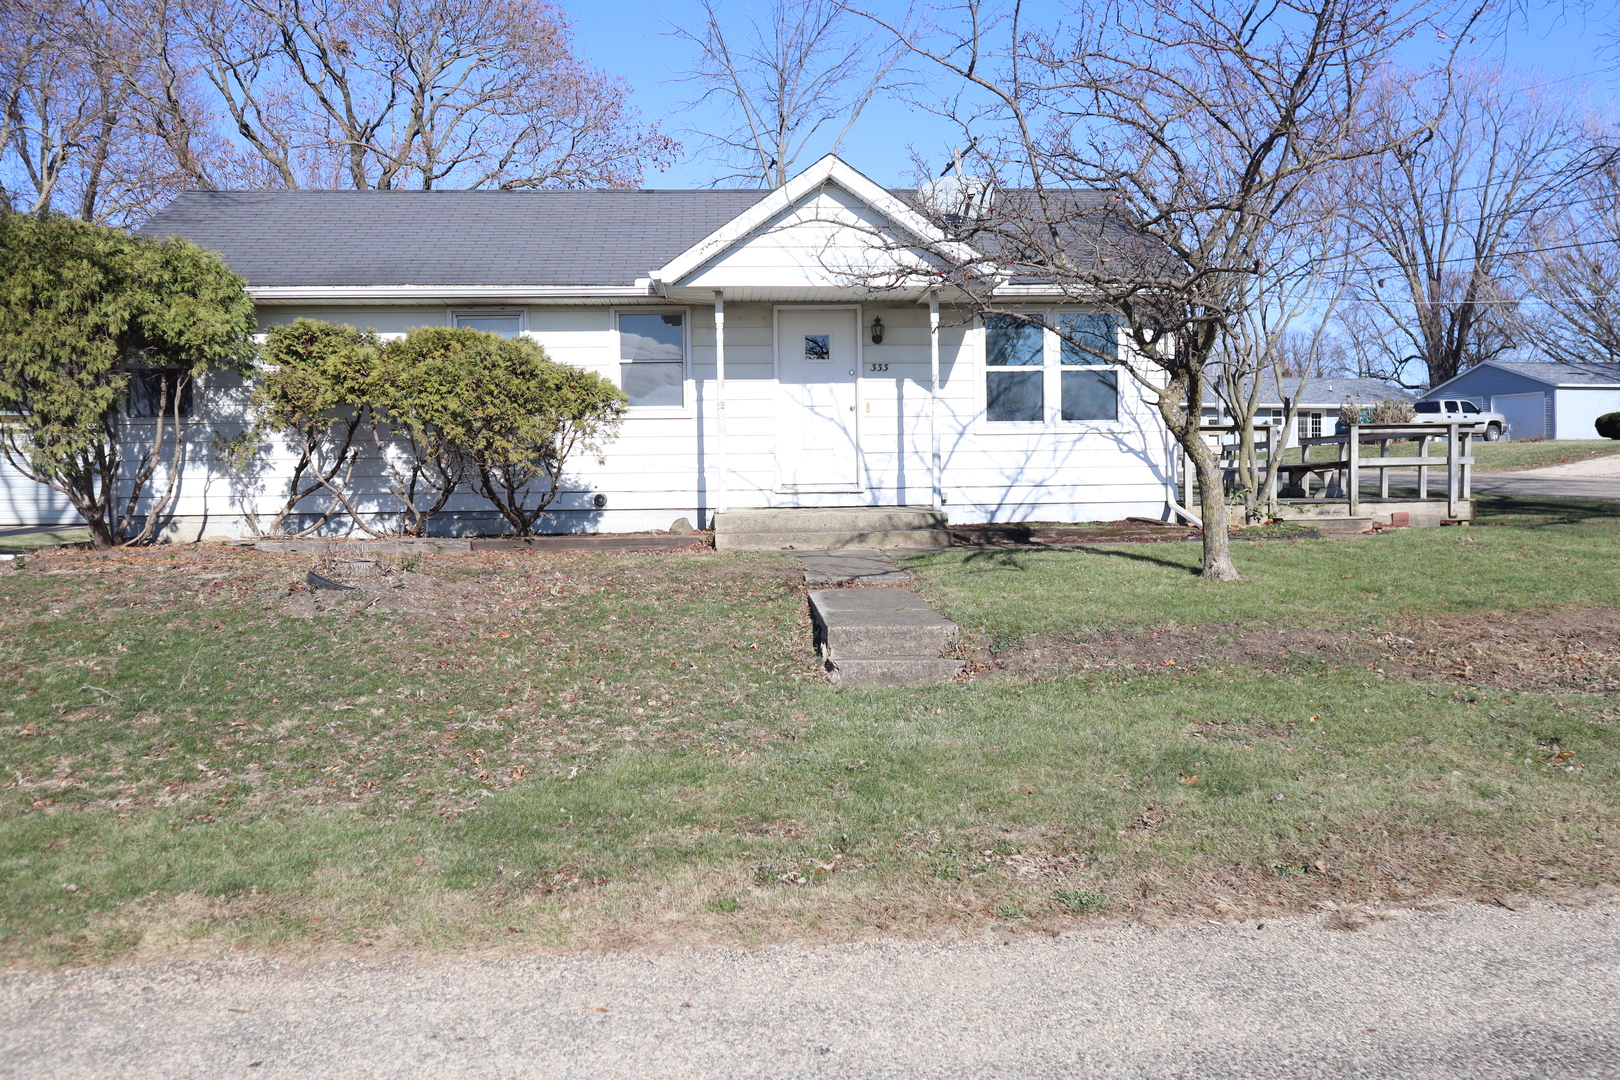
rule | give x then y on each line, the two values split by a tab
153	392
1034	375
652	358
508	324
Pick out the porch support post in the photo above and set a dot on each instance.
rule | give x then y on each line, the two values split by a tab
722	485
933	400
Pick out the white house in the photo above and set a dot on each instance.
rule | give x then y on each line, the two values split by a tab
1316	403
1540	400
788	348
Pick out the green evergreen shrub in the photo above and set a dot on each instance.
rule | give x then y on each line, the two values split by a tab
85	311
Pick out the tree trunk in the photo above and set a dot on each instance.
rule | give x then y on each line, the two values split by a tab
1212	508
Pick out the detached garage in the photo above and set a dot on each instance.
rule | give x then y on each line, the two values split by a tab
1540	400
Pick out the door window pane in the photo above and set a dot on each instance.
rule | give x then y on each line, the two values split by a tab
1090	395
817	347
1010	342
507	326
1014	395
1096	339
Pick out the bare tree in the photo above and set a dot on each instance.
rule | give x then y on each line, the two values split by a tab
112	105
1279	337
460	93
1442	218
1200	124
1572	261
785	79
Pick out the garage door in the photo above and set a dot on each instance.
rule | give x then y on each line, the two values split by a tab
1526	414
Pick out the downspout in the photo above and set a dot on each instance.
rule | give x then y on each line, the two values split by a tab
722	491
933	401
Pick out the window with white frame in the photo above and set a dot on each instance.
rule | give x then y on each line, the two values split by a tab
1033	375
508	324
652	358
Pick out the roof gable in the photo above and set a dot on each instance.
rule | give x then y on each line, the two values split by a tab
828	212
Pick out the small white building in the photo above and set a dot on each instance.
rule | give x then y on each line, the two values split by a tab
1316	403
848	376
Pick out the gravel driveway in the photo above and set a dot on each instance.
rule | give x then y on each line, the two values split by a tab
1472	991
1596	478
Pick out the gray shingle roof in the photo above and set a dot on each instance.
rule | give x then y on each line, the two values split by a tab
1324	390
1560	374
311	238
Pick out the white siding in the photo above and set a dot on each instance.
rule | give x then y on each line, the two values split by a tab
23	502
659	470
1576	408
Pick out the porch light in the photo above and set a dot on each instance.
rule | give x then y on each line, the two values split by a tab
877	331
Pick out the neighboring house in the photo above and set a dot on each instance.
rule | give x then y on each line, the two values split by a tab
840	361
1543	400
1319	403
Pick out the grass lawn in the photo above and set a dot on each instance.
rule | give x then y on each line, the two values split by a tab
521	751
1514	456
20	542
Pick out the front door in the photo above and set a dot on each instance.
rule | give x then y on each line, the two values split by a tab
816	360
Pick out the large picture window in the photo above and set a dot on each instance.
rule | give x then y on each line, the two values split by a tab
652	358
1036	376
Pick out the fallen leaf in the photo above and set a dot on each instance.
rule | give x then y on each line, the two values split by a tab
1193	779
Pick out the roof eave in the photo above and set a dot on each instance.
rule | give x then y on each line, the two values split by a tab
273	295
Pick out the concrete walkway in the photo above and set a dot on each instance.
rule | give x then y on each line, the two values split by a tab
1473	993
858	566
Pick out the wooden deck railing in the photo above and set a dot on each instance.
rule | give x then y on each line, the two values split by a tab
1349	467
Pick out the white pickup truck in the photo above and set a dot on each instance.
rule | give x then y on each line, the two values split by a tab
1452	411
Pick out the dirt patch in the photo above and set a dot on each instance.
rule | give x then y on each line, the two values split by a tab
1574	650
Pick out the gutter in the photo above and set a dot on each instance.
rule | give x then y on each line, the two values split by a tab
425	294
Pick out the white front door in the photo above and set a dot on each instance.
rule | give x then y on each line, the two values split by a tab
817	356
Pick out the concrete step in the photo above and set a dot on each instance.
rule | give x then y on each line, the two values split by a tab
893	670
830	541
830	527
877	622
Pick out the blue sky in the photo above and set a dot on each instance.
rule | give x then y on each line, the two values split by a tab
626	38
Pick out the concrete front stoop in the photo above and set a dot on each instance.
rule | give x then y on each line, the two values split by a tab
882	637
808	527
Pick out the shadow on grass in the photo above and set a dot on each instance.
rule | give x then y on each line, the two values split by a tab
1010	560
1543	511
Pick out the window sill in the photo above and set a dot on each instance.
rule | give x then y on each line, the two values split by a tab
1061	427
659	412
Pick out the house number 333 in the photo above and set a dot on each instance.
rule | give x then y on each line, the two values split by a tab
877	367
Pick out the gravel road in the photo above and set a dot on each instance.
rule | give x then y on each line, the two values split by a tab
1598	478
1471	991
